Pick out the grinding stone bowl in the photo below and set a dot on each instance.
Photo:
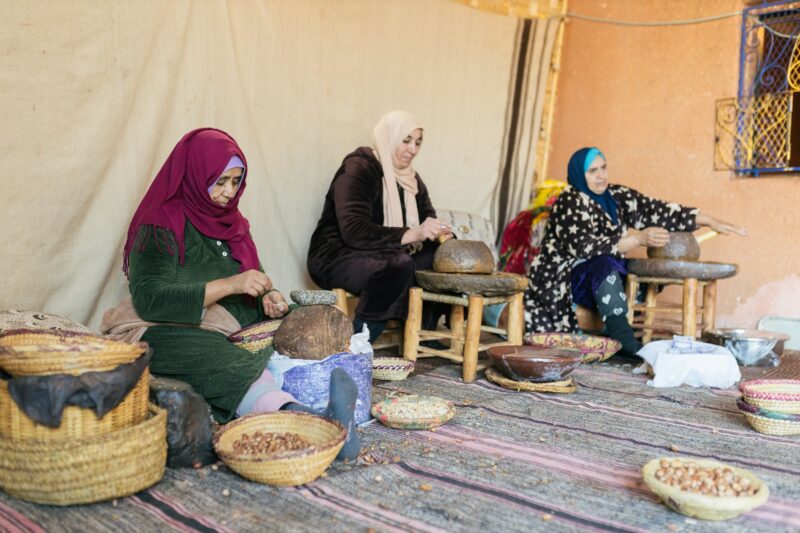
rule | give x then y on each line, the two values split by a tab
534	363
750	347
682	245
456	256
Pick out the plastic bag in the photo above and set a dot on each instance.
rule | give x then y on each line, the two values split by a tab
684	360
359	343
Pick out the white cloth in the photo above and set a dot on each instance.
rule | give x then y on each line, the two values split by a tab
687	361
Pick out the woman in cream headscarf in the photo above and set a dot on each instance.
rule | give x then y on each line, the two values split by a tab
378	225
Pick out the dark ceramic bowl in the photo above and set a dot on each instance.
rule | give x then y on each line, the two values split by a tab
536	364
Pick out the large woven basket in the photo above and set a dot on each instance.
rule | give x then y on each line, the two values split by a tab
86	470
34	352
288	468
782	395
700	505
76	422
256	337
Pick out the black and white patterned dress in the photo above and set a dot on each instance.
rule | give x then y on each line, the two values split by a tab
579	229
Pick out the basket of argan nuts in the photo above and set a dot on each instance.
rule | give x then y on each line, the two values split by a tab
704	489
284	448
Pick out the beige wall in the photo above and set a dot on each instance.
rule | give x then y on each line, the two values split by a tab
96	94
645	96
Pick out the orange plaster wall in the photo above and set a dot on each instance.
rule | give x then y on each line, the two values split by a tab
645	97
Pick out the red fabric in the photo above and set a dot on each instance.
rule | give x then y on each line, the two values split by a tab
180	191
516	243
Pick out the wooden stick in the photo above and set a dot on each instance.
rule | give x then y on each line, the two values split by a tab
709	305
705	236
413	324
341	301
473	337
690	307
516	319
457	329
631	288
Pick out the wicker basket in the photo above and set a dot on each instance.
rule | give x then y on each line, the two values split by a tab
770	422
86	470
782	395
413	412
592	347
287	468
256	337
701	505
76	422
34	352
391	368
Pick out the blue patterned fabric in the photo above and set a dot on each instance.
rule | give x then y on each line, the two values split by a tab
588	275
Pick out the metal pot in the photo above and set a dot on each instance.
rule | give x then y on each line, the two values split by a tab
750	347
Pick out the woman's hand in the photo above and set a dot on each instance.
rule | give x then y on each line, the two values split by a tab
429	230
275	305
720	226
252	282
654	237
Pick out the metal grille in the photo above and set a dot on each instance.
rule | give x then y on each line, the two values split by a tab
757	140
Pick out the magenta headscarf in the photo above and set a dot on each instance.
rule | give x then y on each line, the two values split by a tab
180	191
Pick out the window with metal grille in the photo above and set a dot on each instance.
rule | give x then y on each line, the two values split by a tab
759	130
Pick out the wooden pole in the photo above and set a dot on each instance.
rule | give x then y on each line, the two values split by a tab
341	301
516	319
473	337
709	305
649	312
413	324
631	288
690	307
457	329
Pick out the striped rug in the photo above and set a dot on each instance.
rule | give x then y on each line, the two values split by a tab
508	461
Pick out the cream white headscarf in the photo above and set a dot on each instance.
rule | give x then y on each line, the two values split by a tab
387	134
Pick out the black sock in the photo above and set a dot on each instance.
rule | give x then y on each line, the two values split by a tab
341	407
618	328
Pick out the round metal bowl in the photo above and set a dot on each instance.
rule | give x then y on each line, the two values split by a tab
750	347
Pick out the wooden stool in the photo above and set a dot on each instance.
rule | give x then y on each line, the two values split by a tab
464	335
391	336
697	277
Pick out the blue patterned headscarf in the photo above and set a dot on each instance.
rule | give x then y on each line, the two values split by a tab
576	176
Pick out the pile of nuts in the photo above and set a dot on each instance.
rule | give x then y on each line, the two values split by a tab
265	442
719	481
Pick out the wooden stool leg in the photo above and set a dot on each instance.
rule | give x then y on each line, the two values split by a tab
690	307
631	288
473	337
413	324
516	320
649	312
457	329
341	301
709	305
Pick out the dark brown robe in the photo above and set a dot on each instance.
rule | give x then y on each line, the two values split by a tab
353	250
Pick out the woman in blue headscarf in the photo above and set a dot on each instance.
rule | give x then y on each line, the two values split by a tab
592	225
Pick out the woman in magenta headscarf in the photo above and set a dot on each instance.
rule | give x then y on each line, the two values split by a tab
195	276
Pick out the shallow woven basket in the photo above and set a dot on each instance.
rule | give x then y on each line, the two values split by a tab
76	422
565	386
700	505
391	368
592	347
782	395
413	412
256	337
287	468
86	470
26	352
769	422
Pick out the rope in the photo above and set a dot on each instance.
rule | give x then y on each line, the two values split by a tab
683	22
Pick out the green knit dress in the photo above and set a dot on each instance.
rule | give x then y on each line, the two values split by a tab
165	291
